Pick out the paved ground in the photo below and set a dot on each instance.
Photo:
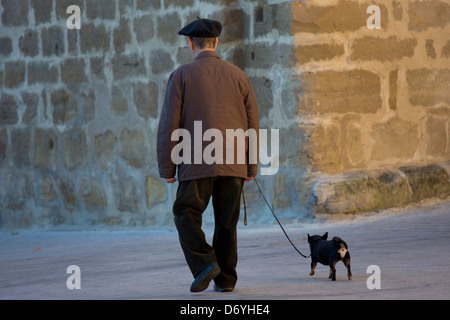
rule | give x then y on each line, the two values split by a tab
410	247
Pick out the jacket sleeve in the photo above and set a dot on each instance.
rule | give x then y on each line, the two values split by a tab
169	121
251	107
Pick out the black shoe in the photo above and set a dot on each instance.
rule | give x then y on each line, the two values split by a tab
202	281
219	289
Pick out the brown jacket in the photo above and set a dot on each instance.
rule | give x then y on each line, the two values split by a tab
219	95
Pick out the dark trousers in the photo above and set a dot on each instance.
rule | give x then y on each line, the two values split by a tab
192	199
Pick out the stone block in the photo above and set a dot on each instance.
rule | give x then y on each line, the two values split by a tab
15	13
20	147
94	38
146	99
178	3
41	72
72	41
184	56
125	6
5	46
67	191
168	27
62	5
346	16
45	142
397	10
14	73
133	147
361	192
281	190
126	194
445	53
65	106
155	191
160	61
352	141
393	84
389	49
262	87
97	67
28	43
104	149
263	56
236	25
268	17
428	14
73	71
322	92
122	36
42	10
75	149
118	104
429	46
128	65
102	9
53	41
46	191
428	87
294	146
394	139
92	194
436	138
318	52
148	4
427	182
8	110
88	104
325	148
31	102
18	191
3	145
143	28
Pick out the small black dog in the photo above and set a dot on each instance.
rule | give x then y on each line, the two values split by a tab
329	252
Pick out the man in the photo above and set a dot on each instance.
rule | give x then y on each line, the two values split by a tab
207	93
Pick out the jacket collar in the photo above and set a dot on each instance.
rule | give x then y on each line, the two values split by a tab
207	54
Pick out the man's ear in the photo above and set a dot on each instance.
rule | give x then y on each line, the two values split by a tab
216	43
191	44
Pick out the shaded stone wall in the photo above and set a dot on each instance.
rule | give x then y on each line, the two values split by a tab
363	115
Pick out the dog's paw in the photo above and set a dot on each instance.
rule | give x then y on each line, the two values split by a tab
349	277
311	273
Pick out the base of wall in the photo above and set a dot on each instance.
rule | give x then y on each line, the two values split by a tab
364	191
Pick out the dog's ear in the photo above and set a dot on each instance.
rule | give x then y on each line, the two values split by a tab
309	238
325	236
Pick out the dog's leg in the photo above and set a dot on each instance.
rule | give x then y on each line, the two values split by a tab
313	267
333	271
347	265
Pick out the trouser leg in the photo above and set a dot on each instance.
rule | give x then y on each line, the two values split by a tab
226	202
192	199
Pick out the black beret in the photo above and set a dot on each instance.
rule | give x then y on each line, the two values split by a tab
202	28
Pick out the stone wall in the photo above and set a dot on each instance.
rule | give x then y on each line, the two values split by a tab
363	113
376	101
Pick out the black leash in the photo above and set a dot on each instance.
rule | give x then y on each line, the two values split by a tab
245	220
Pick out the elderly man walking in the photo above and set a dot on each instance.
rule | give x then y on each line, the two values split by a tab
207	93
